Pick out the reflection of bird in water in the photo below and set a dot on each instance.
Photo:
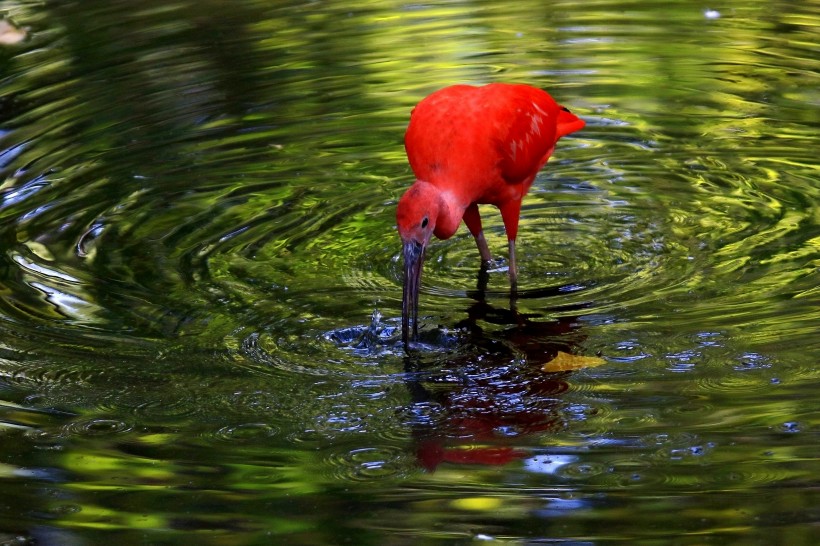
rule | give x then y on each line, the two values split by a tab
494	392
470	146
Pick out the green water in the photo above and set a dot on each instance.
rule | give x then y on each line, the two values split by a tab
201	278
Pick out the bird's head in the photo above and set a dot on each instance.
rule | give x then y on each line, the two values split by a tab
416	217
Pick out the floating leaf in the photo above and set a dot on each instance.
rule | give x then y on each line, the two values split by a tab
565	362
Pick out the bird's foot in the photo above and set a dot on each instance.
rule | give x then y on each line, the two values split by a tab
494	265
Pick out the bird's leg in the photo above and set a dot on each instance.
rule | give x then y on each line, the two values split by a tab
513	279
483	249
473	221
513	267
482	282
510	212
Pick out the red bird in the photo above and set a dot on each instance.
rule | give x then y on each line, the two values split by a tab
470	146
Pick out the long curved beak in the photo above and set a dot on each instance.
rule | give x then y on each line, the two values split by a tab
413	260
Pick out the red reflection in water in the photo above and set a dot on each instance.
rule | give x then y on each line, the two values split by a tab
497	393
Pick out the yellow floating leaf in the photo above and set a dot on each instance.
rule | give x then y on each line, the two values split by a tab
565	362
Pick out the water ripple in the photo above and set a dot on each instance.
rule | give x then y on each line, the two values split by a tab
723	234
246	432
97	427
369	464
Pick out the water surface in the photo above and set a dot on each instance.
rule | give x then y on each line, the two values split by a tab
201	278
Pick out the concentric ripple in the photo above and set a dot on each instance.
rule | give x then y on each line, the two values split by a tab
696	238
369	464
97	427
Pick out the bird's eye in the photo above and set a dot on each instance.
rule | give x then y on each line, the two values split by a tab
424	222
565	109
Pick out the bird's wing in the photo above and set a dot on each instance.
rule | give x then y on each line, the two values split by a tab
436	130
531	118
467	130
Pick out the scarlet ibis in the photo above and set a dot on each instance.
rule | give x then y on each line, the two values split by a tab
468	146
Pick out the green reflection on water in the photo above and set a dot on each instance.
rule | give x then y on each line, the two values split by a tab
196	217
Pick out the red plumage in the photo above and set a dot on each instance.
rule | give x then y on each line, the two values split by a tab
469	146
